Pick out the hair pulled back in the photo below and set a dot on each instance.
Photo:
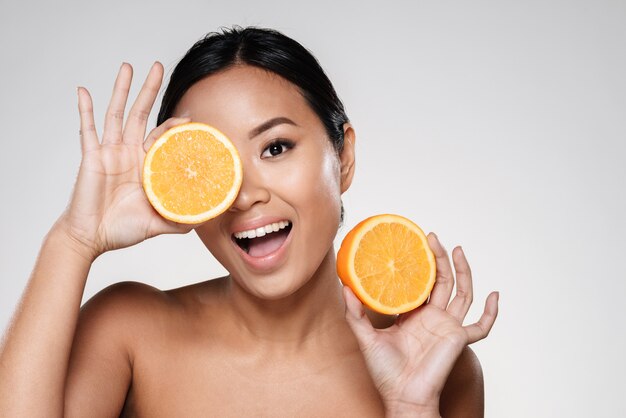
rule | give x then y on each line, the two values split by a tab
263	48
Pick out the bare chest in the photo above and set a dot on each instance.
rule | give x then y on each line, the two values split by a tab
171	381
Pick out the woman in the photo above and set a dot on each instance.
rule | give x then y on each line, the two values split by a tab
278	336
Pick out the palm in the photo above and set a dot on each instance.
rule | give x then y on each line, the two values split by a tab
109	209
121	215
410	361
413	355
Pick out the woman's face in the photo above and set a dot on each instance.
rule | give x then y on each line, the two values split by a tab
292	180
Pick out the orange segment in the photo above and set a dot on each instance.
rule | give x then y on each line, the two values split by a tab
192	173
387	263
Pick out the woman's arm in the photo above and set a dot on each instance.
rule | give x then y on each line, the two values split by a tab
108	210
35	350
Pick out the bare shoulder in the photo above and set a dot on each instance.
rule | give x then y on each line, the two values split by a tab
122	302
463	395
132	314
123	293
118	315
110	324
134	305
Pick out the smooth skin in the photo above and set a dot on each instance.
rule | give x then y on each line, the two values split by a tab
286	340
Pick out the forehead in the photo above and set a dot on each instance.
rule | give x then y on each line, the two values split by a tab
242	97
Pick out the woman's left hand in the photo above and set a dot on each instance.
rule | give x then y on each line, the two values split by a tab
410	361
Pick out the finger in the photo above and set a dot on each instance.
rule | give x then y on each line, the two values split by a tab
357	320
481	329
444	281
114	118
161	129
464	292
135	128
88	135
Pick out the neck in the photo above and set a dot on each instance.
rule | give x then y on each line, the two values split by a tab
314	309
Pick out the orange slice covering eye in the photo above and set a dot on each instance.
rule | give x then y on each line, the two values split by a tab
387	263
192	173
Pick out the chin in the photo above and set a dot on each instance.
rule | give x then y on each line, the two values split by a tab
269	287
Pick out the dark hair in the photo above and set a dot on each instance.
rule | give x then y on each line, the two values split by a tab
267	49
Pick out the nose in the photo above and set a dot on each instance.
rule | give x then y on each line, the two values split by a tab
253	190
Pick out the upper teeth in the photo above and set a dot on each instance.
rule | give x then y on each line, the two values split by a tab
261	231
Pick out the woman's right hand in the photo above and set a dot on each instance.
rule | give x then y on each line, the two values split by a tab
109	209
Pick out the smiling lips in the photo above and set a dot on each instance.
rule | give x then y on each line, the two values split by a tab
263	241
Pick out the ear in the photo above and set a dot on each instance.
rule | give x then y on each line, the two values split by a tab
346	157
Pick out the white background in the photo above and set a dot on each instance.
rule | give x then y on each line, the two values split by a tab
500	125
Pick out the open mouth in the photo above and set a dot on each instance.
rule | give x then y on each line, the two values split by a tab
263	241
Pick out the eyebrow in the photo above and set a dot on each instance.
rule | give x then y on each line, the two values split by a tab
269	125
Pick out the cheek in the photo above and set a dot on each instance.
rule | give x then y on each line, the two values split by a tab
314	184
328	180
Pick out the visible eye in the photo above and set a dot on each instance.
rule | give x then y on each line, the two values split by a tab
276	148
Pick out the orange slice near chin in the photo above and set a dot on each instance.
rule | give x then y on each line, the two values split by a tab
387	263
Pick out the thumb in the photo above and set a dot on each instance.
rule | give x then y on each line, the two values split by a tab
161	129
357	320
